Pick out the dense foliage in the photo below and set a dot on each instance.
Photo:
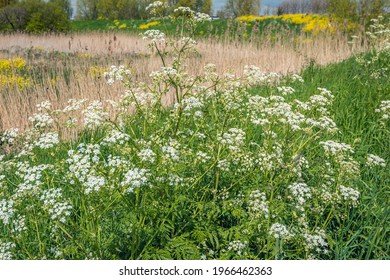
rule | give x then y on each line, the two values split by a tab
133	9
36	16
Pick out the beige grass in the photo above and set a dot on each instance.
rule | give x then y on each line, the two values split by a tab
104	49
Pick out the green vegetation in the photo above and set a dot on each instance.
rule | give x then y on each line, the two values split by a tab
35	16
261	166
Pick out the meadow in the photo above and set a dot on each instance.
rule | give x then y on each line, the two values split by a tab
214	147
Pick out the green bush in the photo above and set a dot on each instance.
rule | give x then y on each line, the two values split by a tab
51	18
34	16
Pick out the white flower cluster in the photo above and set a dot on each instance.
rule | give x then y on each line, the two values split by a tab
317	102
210	72
147	155
384	110
74	105
349	168
316	241
6	211
336	149
300	192
201	17
349	194
172	151
269	157
81	167
139	96
373	160
57	253
254	76
115	162
274	109
31	176
379	34
115	137
174	180
45	105
323	122
280	231
135	178
257	204
8	136
47	140
41	120
168	75
237	246
116	74
189	42
19	224
155	36
5	250
224	165
234	138
202	157
57	210
296	78
155	7
191	103
183	12
285	90
93	183
1	176
94	114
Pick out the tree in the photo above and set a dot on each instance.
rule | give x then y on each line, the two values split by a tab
13	18
4	3
87	9
373	8
236	8
343	8
65	5
35	16
294	7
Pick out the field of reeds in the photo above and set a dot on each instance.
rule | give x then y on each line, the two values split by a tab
114	146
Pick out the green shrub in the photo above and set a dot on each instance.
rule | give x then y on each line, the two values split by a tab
35	16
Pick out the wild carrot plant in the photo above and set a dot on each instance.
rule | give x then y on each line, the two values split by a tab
232	167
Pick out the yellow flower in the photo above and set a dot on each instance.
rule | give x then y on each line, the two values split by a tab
14	81
5	65
148	25
249	18
96	71
19	63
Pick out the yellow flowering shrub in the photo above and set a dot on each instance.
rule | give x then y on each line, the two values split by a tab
313	24
118	25
9	76
14	81
9	65
5	65
149	24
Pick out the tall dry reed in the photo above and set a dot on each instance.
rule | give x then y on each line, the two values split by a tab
71	66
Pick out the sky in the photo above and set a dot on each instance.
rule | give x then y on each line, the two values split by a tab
218	4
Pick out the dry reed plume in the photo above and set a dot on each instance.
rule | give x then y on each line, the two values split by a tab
71	66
